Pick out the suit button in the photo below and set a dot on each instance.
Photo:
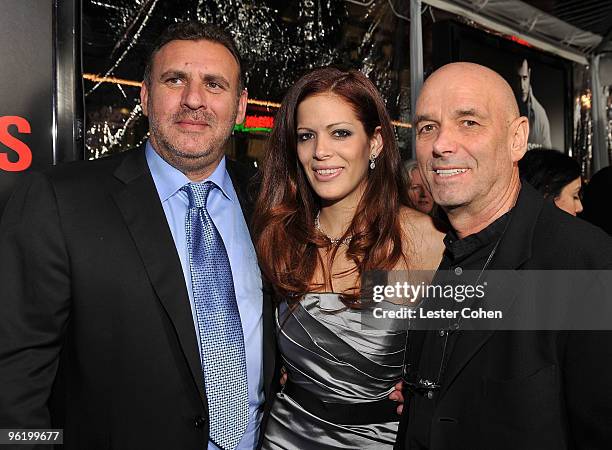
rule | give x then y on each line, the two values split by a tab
430	395
200	422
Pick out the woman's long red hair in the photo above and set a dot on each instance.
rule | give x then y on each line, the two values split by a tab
286	239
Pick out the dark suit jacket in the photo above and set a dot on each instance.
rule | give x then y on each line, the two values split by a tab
96	331
526	390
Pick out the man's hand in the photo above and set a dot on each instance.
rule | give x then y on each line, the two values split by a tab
398	396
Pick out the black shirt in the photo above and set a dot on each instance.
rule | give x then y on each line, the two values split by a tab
474	252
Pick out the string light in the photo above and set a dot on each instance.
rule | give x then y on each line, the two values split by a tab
268	104
99	79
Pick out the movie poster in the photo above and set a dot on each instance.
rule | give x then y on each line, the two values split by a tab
541	82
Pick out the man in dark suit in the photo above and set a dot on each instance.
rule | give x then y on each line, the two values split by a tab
132	306
488	389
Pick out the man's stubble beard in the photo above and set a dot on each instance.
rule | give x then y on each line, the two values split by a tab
192	162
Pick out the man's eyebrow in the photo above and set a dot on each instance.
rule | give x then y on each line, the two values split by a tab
172	73
216	78
207	78
462	112
423	118
468	112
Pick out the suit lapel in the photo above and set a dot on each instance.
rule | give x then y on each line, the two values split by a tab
144	216
517	243
514	249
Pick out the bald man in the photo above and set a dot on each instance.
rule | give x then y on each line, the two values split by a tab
496	390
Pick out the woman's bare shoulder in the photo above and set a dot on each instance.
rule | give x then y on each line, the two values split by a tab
417	224
424	237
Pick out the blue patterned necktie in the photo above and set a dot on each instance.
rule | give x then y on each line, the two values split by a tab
221	339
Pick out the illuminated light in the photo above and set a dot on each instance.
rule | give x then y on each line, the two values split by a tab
401	124
264	103
98	79
520	41
251	101
244	129
254	124
259	122
585	100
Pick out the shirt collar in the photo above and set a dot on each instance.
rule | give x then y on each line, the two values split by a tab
169	180
460	248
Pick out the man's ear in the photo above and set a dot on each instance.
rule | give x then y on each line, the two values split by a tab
144	98
242	106
376	142
519	136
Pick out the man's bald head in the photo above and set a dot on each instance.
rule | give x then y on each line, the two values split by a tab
469	138
487	81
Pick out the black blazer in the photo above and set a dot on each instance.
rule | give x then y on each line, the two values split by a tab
96	331
526	390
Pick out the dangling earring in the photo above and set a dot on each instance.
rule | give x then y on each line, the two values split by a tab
372	161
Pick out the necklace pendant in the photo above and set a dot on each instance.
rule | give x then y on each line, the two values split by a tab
335	241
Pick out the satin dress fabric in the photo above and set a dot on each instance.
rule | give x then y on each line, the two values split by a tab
329	353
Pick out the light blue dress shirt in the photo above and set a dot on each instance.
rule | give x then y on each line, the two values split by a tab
225	211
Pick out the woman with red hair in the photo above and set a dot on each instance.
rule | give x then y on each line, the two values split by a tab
331	208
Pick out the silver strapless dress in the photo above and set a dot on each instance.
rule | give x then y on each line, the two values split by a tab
328	354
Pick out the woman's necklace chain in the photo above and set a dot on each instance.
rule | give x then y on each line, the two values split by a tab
346	241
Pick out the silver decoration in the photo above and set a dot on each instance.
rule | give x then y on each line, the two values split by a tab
277	47
608	120
121	90
151	6
335	241
111	129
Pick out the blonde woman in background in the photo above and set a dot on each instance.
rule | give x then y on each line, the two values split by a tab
417	191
